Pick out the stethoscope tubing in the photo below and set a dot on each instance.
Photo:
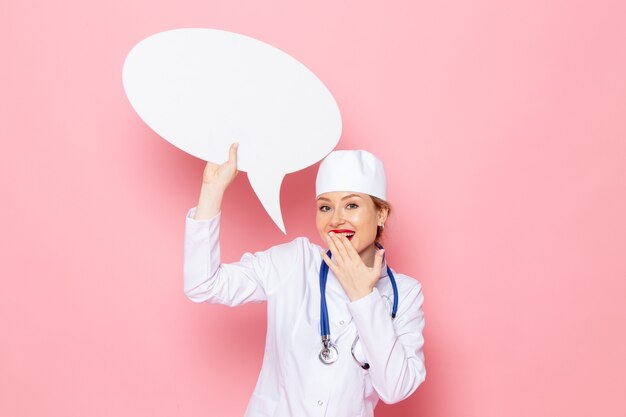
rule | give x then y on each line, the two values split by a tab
324	323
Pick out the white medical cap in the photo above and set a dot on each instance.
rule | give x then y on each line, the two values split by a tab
352	171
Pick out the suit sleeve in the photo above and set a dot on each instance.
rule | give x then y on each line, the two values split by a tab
394	348
252	279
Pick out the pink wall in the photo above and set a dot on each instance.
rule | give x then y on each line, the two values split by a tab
503	128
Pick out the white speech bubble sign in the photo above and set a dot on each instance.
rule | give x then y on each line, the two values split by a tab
203	89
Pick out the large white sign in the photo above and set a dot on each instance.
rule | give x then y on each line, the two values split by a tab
203	89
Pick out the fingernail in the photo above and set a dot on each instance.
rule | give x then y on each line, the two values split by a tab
331	233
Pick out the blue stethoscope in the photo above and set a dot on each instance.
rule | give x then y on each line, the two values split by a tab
329	354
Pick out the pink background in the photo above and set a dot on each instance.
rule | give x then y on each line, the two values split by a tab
502	125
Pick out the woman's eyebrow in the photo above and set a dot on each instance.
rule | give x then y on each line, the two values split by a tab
343	198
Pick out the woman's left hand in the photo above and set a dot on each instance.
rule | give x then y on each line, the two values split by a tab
356	278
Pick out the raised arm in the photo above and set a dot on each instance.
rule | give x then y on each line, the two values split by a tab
206	279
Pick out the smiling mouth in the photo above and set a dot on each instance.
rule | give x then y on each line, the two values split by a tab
347	233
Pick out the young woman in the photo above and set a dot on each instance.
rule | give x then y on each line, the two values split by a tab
343	329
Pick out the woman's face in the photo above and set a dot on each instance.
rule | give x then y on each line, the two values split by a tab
351	214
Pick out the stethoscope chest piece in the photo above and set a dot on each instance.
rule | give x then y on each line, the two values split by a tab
328	355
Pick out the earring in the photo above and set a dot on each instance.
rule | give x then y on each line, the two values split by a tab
382	226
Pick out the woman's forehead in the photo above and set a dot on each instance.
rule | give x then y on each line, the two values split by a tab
340	195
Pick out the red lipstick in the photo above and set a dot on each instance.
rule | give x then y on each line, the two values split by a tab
347	231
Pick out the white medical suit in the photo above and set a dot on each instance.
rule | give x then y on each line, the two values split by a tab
293	382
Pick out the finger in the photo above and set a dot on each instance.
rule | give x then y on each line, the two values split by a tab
329	262
332	245
341	242
232	154
210	165
350	250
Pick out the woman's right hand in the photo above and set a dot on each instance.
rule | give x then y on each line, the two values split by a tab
215	180
220	176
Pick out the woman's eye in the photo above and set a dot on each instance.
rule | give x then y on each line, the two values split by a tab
352	205
324	208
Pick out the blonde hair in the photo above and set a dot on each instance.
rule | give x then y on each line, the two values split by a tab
380	204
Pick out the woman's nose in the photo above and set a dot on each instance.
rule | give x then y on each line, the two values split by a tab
337	218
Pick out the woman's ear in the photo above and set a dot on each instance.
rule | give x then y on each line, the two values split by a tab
382	215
